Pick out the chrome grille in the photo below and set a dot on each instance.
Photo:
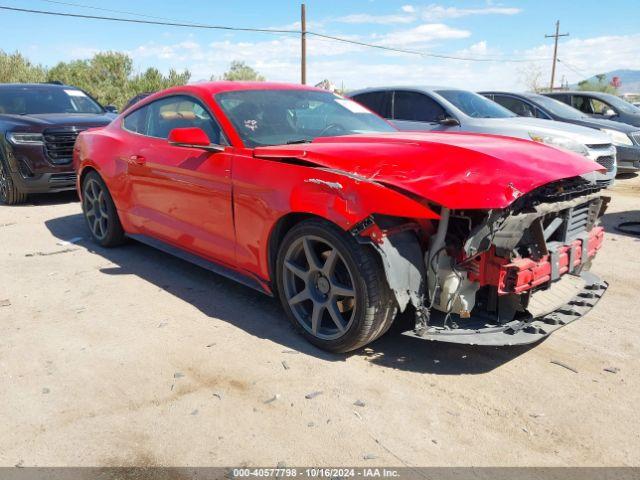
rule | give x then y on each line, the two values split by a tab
58	145
607	161
635	136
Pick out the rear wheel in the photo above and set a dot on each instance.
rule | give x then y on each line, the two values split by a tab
9	193
100	212
332	288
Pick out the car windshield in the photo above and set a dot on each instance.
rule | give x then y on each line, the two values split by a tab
277	117
41	100
475	105
620	104
557	107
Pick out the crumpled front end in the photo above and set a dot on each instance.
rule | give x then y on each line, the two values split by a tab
504	276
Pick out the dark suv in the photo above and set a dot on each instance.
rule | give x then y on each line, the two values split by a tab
39	124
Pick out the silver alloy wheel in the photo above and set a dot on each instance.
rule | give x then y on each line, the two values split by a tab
95	208
4	183
319	287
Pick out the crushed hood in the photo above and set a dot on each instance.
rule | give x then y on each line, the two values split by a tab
455	170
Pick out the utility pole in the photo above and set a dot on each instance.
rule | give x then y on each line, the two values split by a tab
555	52
303	44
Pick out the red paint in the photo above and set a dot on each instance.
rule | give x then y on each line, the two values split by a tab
223	206
523	274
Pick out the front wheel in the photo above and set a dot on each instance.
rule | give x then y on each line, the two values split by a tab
332	288
100	211
9	193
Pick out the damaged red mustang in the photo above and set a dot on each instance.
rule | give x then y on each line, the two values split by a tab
303	194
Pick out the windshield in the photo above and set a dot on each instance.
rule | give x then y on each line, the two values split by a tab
620	104
35	100
277	117
475	105
557	107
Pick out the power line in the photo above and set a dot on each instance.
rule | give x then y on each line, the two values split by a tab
172	23
148	22
79	5
572	68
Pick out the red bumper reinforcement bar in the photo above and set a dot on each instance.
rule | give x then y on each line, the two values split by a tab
523	274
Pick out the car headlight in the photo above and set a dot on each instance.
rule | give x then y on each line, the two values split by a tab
562	142
618	138
25	138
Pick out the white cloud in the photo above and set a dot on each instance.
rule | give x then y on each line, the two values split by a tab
439	12
422	34
376	19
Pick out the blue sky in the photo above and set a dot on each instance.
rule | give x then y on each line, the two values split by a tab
604	36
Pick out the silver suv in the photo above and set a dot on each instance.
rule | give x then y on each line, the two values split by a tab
454	110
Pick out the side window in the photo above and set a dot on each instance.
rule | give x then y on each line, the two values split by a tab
180	112
416	107
376	102
581	103
599	107
540	114
517	106
136	122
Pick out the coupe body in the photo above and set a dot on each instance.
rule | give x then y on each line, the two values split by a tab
306	195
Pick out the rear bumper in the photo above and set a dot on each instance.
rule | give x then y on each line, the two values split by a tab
474	330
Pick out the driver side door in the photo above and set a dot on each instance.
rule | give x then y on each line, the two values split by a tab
182	195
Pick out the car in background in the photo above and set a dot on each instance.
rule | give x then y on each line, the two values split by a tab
626	138
39	124
306	195
454	110
600	105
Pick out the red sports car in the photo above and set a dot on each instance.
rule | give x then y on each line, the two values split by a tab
301	193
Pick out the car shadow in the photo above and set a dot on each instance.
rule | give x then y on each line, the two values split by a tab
612	223
626	175
262	316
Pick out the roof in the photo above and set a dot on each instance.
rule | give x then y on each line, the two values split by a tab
36	85
387	88
213	88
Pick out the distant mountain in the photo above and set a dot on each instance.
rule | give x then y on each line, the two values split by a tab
629	79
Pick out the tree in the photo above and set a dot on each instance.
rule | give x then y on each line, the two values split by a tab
14	68
532	77
598	84
240	71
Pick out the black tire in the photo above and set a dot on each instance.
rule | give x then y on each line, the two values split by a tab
357	268
100	212
9	193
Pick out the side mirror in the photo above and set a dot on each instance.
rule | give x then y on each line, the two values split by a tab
192	137
111	109
449	122
609	112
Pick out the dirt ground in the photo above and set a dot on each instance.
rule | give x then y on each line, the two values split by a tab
131	357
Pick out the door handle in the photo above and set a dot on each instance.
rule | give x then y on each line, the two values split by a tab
137	159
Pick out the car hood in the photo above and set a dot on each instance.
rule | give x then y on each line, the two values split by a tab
455	170
523	126
47	120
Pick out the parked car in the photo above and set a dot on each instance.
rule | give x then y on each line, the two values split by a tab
454	110
39	124
626	138
303	194
600	105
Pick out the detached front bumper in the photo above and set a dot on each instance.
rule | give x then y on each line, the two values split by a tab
477	331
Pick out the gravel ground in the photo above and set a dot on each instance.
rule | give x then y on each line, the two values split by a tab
131	357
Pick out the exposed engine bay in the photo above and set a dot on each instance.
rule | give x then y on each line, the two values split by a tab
497	277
